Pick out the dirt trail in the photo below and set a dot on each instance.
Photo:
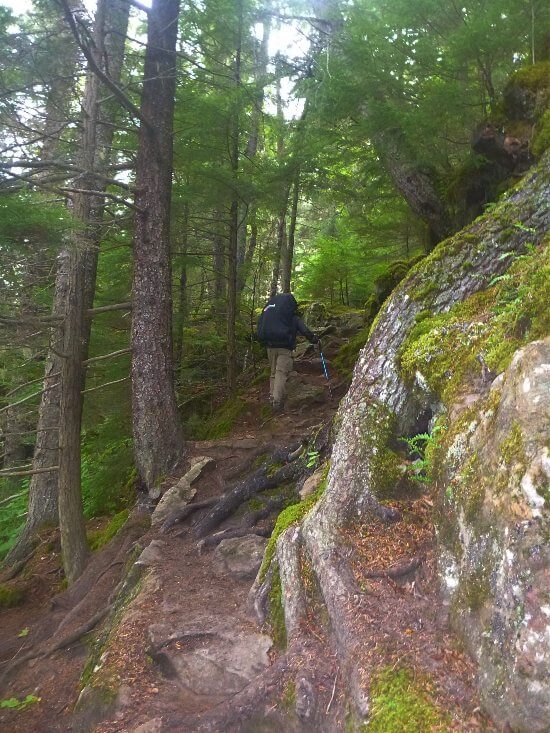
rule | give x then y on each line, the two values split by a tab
188	644
181	589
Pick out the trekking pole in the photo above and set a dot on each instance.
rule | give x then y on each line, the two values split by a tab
323	362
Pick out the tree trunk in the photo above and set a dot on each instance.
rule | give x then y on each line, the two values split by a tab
156	424
181	314
414	184
288	252
43	489
232	259
279	248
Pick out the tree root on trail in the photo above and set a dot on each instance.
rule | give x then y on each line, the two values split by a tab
12	571
181	514
228	534
259	481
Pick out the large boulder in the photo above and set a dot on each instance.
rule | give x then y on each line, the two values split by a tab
493	484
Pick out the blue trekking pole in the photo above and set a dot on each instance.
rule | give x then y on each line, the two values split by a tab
323	362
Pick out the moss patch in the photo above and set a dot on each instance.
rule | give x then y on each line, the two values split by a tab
492	323
402	702
221	422
100	537
276	611
347	355
10	595
292	514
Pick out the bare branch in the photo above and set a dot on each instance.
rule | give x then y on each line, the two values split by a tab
107	308
112	355
107	384
29	473
29	397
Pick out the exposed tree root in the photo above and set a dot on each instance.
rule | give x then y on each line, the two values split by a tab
181	514
259	481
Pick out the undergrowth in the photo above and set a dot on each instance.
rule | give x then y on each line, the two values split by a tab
97	538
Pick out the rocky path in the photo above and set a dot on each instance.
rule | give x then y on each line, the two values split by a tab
187	641
181	650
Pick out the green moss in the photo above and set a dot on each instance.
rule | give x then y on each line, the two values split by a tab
534	76
347	355
292	514
100	537
276	611
493	323
10	595
475	590
511	449
221	422
470	491
402	702
541	137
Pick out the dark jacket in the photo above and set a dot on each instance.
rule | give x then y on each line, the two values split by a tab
280	323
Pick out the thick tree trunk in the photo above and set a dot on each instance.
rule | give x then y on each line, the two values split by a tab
413	183
156	424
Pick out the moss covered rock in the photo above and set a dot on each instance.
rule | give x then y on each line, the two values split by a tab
493	520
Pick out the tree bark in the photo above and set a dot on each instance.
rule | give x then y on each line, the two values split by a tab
181	313
232	259
156	424
414	184
288	253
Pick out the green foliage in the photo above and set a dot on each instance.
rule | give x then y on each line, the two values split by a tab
403	702
16	704
100	537
108	475
10	595
12	517
423	445
541	138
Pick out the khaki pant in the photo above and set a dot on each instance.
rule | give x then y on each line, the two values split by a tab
280	361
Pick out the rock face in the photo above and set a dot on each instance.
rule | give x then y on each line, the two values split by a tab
240	557
493	480
496	576
215	661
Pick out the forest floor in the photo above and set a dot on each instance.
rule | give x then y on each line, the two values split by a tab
187	605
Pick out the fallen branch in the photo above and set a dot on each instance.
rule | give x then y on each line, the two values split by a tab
29	473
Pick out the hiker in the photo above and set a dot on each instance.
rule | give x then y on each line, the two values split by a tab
278	326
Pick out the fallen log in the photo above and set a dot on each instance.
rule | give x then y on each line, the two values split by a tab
180	514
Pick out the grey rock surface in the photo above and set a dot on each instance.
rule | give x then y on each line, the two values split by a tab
240	557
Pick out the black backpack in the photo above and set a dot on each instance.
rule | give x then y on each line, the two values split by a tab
275	325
